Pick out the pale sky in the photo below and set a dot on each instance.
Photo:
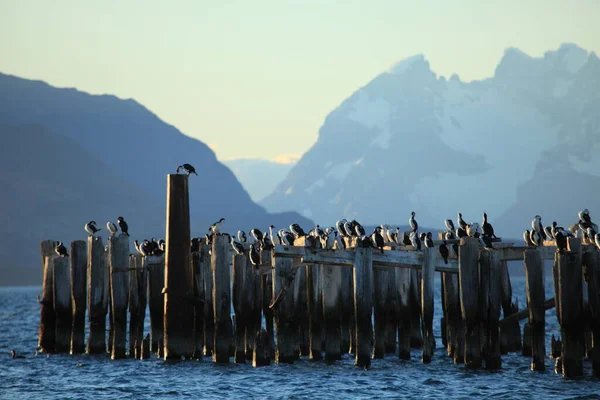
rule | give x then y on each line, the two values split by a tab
256	78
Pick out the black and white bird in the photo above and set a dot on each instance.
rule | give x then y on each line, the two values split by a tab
461	233
377	239
241	235
428	240
339	243
256	234
217	226
537	226
339	225
584	215
560	238
449	225
444	252
461	222
316	231
364	242
415	241
112	228
328	239
194	245
486	241
297	231
527	238
548	232
274	236
487	228
91	228
597	240
123	225
473	230
254	255
536	238
450	235
286	237
61	250
412	222
237	246
358	228
399	236
187	168
266	243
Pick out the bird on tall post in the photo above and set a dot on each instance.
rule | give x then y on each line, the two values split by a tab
444	251
112	228
91	228
217	226
487	228
187	168
123	225
61	250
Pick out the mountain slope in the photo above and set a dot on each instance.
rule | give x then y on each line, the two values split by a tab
412	141
259	177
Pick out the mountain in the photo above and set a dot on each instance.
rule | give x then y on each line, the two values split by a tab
259	177
520	143
69	153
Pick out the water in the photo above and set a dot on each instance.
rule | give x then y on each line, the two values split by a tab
76	377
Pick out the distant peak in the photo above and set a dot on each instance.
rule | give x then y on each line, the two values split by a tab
403	65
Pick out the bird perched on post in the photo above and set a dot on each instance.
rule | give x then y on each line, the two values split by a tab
237	246
428	240
487	228
123	226
444	251
415	241
527	238
377	239
216	227
91	228
537	226
61	250
112	228
187	168
413	222
461	222
254	255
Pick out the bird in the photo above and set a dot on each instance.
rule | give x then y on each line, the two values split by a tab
584	215
91	228
399	236
14	354
217	226
536	238
449	235
187	168
254	255
548	232
328	239
123	226
349	228
377	239
136	244
286	237
358	228
561	240
241	235
461	222
256	234
428	240
61	250
112	228
486	241
449	225
339	225
274	236
266	243
237	246
160	249
316	231
461	233
297	231
415	241
339	243
364	242
527	238
473	230
413	222
537	226
597	240
487	228
194	245
444	251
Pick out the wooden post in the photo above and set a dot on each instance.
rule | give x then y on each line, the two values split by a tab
427	302
300	309
510	333
243	291
137	304
47	250
118	250
78	294
536	295
391	304
591	262
221	297
261	356
179	306
62	303
454	321
491	302
156	281
416	332
47	340
363	305
380	288
97	279
314	290
209	312
332	285
569	303
266	296
285	326
347	310
255	315
468	266
526	348
198	265
404	311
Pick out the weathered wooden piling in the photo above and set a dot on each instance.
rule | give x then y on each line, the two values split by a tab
469	299
391	304
221	298
118	264
97	296
245	303
363	305
427	302
47	328
332	285
266	288
510	333
179	291
262	353
137	304
404	311
198	265
300	309
416	331
285	325
314	298
380	289
491	304
536	295
591	263
209	312
570	305
78	256
347	310
62	303
454	321
526	347
156	281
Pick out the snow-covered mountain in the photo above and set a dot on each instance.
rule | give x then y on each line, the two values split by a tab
523	142
258	176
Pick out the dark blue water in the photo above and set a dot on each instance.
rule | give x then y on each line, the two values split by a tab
77	377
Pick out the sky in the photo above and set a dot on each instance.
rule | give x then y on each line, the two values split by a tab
256	78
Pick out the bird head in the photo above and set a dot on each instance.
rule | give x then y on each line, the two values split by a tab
120	219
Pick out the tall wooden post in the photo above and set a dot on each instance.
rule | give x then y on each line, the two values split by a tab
380	286
332	285
266	287
454	318
427	294
62	303
404	311
46	340
221	297
300	309
179	308
78	294
97	278
137	304
198	265
347	310
118	250
510	333
570	304
468	274
491	299
156	302
243	303
416	331
209	312
285	326
591	262
536	295
363	305
391	305
47	250
314	290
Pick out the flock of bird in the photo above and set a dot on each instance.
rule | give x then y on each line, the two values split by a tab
92	229
584	229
